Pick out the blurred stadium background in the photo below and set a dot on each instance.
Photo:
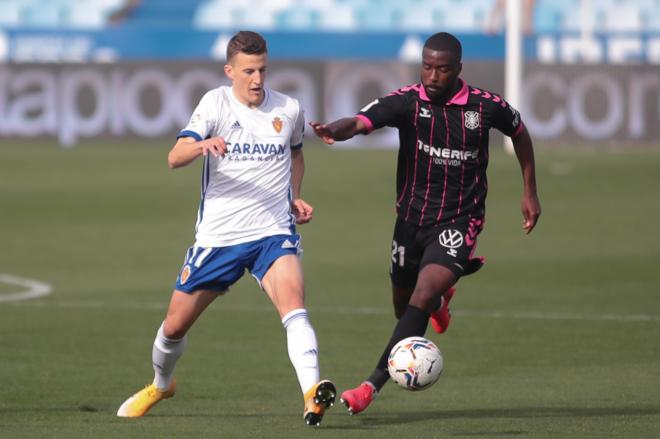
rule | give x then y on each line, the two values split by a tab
557	337
88	69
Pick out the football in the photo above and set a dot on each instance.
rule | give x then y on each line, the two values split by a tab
415	363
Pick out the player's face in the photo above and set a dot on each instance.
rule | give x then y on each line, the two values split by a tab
440	70
247	74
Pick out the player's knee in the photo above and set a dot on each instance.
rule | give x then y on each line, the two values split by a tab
174	330
425	298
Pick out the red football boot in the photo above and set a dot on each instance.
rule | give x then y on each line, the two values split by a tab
358	399
440	318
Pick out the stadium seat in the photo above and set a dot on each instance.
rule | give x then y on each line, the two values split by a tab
213	15
417	20
622	18
463	17
328	15
298	18
43	15
10	13
652	20
379	19
337	18
557	15
265	19
85	15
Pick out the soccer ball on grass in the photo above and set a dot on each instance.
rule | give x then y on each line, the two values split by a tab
415	363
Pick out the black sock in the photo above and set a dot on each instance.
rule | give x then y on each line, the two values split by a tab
412	323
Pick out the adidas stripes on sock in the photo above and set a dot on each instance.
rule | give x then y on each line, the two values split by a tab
302	347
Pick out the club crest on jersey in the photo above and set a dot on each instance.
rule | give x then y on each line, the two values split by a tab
424	112
471	120
277	124
185	274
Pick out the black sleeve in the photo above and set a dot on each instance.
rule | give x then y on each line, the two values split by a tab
506	119
385	111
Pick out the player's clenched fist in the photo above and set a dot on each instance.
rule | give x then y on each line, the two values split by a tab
302	211
215	146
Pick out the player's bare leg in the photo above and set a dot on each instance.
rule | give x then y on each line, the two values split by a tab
283	283
168	347
432	283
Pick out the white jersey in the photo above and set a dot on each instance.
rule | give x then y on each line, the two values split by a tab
246	194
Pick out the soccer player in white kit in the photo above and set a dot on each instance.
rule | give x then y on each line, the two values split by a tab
250	138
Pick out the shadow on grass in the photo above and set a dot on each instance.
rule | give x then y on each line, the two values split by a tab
388	418
376	420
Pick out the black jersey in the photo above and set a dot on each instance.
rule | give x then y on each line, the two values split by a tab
443	152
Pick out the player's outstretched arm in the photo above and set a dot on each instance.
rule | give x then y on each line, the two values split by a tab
188	149
341	129
530	204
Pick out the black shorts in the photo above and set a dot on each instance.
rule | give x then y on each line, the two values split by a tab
449	245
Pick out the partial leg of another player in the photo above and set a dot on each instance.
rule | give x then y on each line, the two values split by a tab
168	347
400	299
441	317
283	283
432	282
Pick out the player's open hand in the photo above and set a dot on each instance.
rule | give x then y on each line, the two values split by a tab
531	210
322	131
215	146
302	211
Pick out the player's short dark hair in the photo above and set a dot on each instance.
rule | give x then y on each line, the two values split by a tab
445	42
245	41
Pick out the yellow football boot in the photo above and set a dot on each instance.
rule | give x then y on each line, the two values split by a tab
320	397
140	403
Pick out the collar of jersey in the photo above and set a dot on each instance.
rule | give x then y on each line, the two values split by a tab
261	106
459	98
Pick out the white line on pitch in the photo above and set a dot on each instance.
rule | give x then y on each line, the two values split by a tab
34	288
219	306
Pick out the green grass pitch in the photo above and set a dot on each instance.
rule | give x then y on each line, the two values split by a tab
557	337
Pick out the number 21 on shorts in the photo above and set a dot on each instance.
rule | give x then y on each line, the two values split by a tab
398	254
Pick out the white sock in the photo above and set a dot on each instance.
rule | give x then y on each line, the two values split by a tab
165	353
302	347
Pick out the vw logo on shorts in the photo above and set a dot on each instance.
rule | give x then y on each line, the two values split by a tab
451	238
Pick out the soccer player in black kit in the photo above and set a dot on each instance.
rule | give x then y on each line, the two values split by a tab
441	188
